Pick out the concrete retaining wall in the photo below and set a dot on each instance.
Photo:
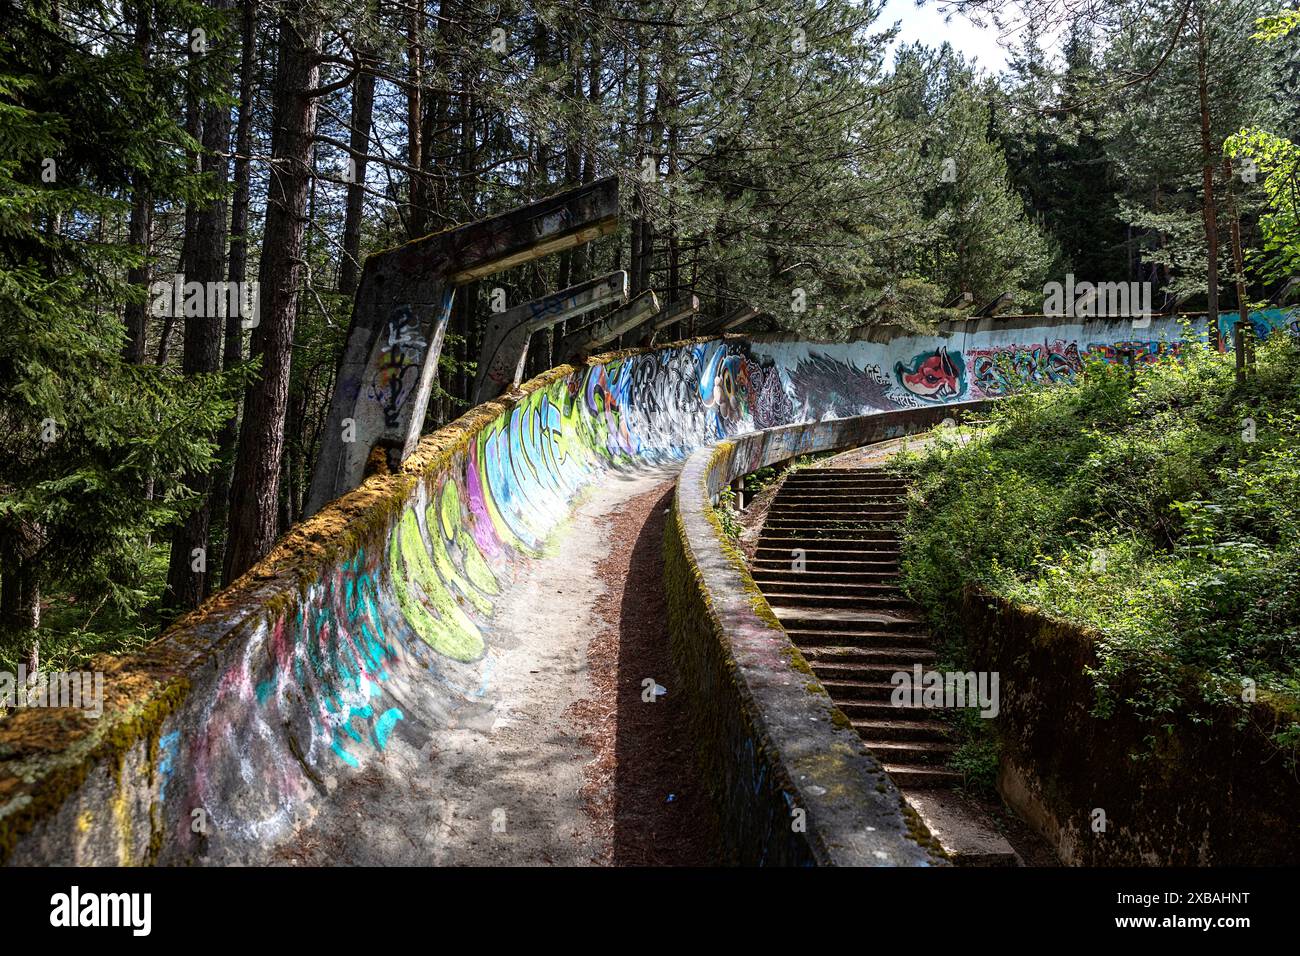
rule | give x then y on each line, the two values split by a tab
1060	765
373	620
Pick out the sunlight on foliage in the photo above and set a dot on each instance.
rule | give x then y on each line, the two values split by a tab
1158	508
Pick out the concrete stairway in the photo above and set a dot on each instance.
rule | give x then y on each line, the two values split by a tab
827	562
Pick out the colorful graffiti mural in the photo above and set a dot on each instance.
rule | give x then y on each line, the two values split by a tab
398	637
933	377
994	371
398	368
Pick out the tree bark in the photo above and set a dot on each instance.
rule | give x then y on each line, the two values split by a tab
20	595
187	565
417	223
237	271
141	223
1209	208
363	108
255	489
1243	327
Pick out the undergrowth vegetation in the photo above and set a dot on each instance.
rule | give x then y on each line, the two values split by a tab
1158	506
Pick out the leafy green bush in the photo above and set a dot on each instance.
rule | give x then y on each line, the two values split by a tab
1159	506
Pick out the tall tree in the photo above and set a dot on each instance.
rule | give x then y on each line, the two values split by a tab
255	485
1202	82
82	424
205	322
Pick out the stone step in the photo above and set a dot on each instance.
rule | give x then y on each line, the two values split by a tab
907	753
838	477
819	619
884	709
823	469
883	523
810	584
917	643
867	545
799	479
786	512
919	777
875	701
894	659
815	519
963	830
792	599
846	691
898	729
819	551
850	664
781	559
830	496
819	576
839	492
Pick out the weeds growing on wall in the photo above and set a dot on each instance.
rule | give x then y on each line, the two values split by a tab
727	514
1158	506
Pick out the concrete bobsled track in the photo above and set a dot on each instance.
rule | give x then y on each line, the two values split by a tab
383	621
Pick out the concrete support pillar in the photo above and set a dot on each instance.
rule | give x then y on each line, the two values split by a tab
403	301
506	338
576	346
738	486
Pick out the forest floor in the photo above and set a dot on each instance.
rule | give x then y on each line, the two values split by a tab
568	766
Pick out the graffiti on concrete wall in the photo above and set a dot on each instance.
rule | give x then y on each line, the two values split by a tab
397	637
938	376
397	370
995	370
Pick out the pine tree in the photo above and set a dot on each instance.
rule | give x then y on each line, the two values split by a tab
85	427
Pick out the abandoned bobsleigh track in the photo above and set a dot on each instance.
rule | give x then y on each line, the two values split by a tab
375	623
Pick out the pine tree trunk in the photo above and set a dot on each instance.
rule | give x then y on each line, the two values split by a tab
417	223
1210	212
141	224
20	598
363	107
255	488
237	272
1239	268
204	335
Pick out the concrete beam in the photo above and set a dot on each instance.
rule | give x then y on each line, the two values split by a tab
733	319
505	340
676	312
1002	302
577	345
403	301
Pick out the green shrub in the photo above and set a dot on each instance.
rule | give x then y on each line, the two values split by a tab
1160	507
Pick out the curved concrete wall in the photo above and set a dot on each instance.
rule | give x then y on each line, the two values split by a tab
790	777
372	621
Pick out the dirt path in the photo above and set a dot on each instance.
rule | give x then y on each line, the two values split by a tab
562	764
642	790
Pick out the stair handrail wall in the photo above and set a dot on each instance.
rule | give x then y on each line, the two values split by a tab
790	780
